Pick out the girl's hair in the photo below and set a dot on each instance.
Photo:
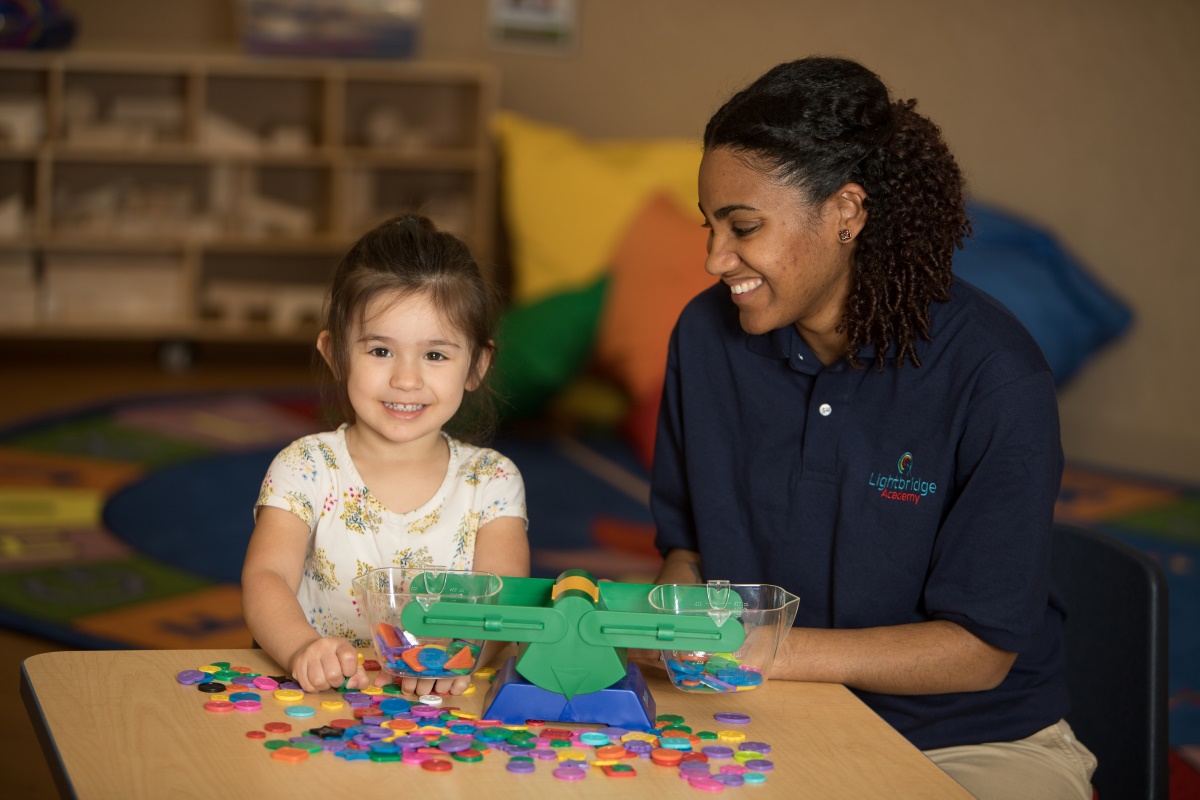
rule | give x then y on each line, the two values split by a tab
820	123
408	255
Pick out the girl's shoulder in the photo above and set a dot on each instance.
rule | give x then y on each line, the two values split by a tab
473	463
327	448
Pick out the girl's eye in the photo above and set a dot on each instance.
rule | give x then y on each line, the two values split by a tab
380	352
435	356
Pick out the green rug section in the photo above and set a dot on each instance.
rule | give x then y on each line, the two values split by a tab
62	594
1178	521
101	437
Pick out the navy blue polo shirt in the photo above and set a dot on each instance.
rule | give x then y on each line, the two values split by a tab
879	498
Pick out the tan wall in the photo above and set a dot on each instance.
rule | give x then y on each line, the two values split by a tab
1080	114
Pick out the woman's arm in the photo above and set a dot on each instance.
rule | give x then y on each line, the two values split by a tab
933	657
271	575
680	566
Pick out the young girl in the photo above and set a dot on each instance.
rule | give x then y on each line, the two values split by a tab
407	340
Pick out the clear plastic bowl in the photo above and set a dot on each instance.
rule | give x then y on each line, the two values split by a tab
385	593
766	614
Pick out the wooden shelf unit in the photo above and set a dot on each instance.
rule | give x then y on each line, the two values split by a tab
210	197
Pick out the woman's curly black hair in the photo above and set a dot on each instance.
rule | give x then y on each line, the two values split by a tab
819	123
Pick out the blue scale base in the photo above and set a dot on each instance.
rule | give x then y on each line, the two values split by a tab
626	704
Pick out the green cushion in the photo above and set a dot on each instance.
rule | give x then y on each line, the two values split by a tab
541	346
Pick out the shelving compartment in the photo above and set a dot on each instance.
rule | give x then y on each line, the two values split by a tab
276	293
122	200
271	200
262	115
119	290
18	287
403	117
122	110
375	193
18	180
23	107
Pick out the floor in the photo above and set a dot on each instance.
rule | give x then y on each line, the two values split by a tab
38	378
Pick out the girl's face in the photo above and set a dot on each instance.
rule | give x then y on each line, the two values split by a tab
779	256
407	371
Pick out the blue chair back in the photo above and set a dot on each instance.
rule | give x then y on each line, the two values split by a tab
1115	634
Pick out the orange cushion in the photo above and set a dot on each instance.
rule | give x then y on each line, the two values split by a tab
657	267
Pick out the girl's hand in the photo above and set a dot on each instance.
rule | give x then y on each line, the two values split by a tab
419	686
325	663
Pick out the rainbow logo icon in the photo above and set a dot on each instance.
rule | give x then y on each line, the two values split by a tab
904	465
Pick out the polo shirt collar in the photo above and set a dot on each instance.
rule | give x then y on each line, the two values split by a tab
787	343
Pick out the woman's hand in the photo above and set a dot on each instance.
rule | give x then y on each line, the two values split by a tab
326	663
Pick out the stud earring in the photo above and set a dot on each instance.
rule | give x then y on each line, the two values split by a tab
844	235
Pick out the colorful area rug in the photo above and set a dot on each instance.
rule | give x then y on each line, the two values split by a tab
123	525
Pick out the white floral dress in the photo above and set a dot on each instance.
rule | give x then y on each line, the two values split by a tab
351	532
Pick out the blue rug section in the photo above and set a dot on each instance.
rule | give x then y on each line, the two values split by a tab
219	492
564	498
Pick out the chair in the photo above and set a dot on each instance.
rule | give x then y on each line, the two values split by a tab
1116	658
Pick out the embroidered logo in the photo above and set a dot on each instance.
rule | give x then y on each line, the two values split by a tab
904	487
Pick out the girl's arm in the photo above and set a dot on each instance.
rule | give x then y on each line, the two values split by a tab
502	547
270	577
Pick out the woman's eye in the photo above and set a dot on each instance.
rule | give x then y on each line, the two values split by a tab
739	232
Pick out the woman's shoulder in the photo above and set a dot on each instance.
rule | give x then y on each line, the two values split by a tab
975	328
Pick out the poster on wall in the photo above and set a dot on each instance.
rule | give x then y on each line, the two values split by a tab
535	26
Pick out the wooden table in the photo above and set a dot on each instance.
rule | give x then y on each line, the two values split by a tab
116	724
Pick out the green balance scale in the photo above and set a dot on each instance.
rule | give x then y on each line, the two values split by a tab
573	635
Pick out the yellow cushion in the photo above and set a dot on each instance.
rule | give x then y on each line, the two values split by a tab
567	201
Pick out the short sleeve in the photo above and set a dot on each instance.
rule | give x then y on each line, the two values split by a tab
295	480
991	562
500	489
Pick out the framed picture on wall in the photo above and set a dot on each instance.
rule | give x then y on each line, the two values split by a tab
543	26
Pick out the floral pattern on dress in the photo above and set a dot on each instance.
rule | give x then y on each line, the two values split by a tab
306	457
408	557
363	514
420	526
320	570
464	540
329	624
299	505
360	568
484	464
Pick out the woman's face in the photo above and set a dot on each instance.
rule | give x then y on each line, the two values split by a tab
779	256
